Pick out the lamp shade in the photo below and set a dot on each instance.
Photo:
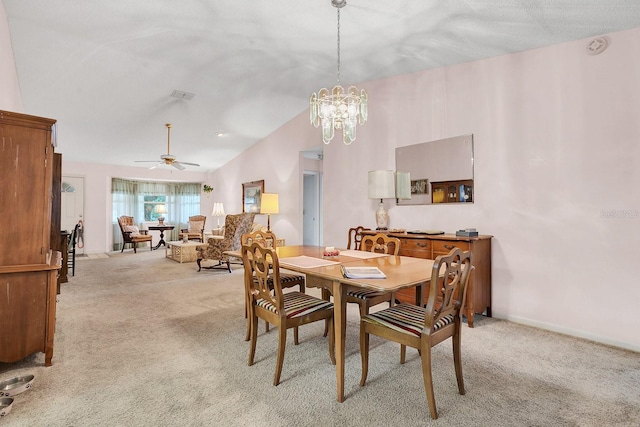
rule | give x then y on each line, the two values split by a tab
403	185
269	203
161	209
218	209
382	184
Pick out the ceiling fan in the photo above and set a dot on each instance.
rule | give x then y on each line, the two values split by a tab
168	159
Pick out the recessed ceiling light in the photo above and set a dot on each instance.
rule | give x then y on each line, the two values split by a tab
220	133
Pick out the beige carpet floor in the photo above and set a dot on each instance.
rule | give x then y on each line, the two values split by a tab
144	341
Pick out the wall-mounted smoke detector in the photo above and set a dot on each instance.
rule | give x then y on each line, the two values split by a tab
597	46
182	95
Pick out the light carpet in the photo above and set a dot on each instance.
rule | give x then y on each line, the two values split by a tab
144	341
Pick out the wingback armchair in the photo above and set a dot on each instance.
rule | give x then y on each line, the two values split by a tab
234	227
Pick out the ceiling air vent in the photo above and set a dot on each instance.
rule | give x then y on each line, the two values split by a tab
181	94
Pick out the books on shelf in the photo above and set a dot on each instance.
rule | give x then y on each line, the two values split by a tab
362	273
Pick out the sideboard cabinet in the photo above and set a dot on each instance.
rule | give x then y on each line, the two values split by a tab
29	263
430	246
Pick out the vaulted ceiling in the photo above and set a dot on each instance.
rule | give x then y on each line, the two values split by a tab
106	69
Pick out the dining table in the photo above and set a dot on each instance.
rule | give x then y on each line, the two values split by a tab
327	273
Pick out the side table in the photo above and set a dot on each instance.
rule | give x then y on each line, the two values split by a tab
162	229
182	251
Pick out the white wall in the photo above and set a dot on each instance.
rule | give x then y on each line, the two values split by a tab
10	96
557	155
98	223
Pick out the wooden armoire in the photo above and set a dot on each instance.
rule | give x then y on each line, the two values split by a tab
29	262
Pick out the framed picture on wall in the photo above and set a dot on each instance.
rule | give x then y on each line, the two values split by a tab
251	195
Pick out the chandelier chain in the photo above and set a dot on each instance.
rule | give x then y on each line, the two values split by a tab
338	46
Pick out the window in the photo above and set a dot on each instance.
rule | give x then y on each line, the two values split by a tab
150	203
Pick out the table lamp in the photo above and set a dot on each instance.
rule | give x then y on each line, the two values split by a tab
218	211
269	205
382	186
161	210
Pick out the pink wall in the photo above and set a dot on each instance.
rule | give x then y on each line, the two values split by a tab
556	169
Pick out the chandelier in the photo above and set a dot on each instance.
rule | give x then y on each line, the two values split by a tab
338	109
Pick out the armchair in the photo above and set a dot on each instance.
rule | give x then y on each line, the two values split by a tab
234	227
131	233
196	228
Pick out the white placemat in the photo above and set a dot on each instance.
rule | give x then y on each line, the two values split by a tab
304	261
361	254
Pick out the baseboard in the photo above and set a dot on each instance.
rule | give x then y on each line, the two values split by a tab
571	332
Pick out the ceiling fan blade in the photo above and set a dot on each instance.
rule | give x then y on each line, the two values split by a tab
177	165
190	164
156	165
145	161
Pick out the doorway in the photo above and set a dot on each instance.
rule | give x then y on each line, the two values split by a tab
72	208
312	209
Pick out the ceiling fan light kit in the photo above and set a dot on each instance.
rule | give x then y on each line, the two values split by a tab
168	159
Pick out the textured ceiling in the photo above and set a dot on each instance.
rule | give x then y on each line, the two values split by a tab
105	69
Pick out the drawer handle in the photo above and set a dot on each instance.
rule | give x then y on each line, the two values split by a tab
449	247
422	245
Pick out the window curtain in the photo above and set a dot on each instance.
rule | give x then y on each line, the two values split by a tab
182	201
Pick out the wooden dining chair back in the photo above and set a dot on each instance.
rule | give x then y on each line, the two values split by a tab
285	310
380	243
288	280
355	237
367	298
424	327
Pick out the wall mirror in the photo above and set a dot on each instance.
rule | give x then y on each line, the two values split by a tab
441	171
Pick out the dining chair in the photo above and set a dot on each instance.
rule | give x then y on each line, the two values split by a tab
355	237
425	327
288	280
285	310
366	298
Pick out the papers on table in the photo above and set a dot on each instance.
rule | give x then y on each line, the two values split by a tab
363	273
304	261
361	254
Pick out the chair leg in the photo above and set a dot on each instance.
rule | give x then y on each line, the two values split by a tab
326	295
266	326
282	343
134	247
332	341
428	381
254	335
295	336
122	250
457	359
403	353
198	262
229	266
364	354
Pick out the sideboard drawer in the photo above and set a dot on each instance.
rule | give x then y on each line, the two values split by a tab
443	247
419	248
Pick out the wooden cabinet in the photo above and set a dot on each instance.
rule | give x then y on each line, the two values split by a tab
28	266
452	191
430	246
